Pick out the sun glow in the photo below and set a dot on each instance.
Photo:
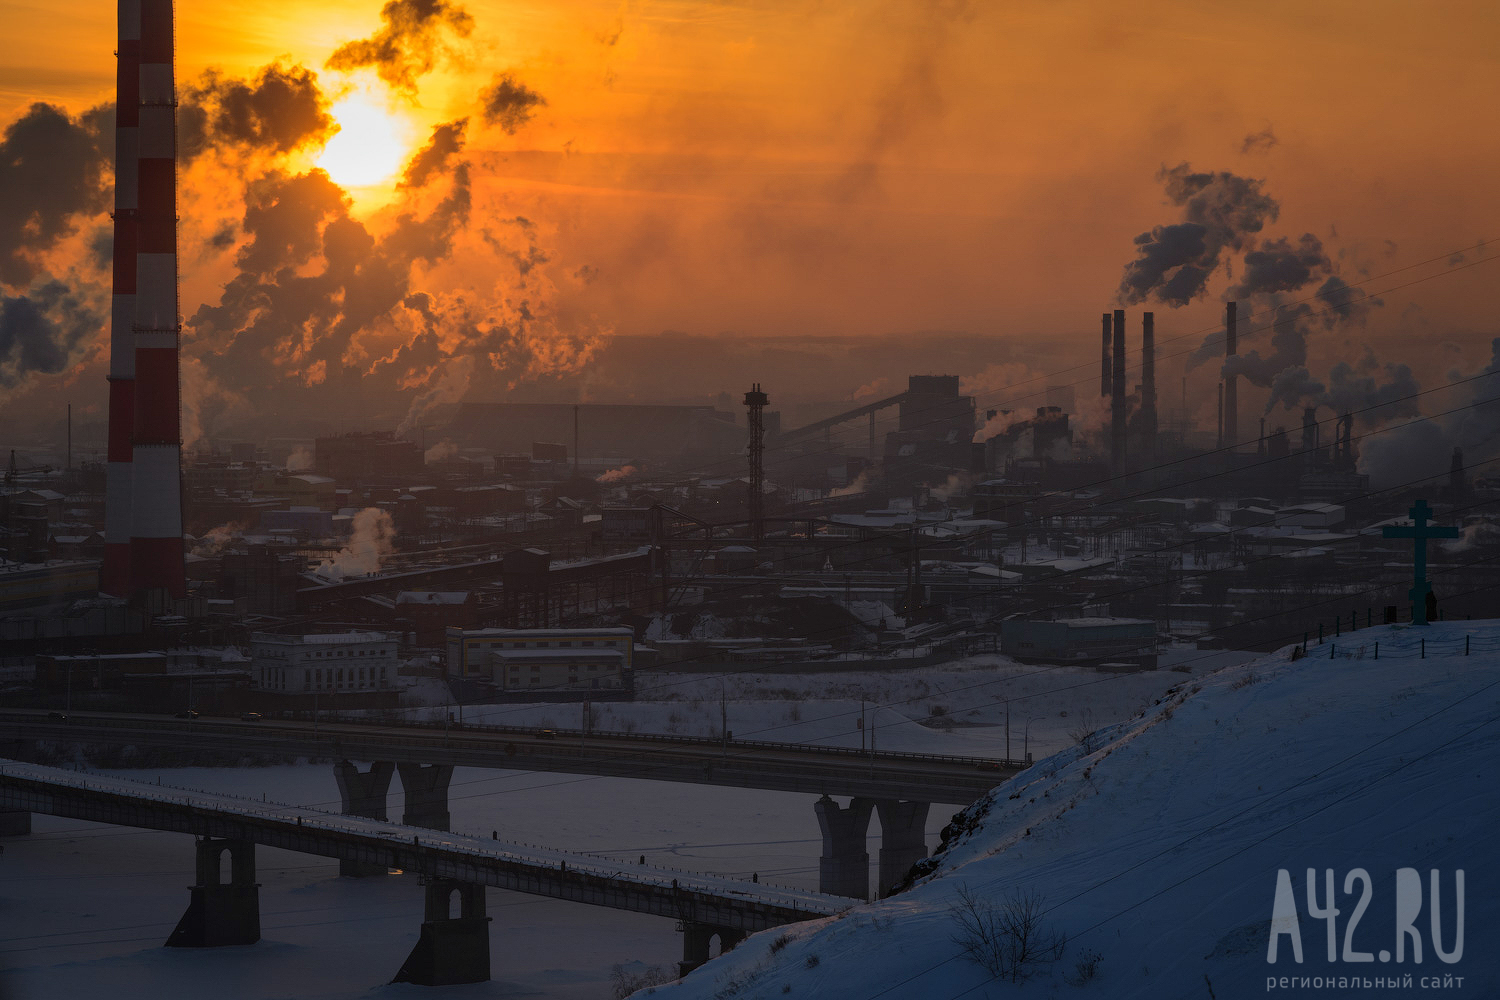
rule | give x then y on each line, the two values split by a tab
370	145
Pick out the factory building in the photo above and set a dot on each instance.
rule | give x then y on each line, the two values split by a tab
1081	640
585	659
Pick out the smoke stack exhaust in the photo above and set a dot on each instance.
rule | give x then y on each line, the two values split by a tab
1117	403
118	524
1231	387
1106	384
156	553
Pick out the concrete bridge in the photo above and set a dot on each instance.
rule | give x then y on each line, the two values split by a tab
453	948
898	788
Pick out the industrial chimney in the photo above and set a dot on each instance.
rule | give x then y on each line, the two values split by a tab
118	525
1148	382
156	456
1117	402
1105	379
1231	382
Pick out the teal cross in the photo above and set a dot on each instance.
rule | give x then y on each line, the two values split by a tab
1419	532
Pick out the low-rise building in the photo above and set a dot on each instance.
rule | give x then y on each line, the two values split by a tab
1081	640
323	662
597	659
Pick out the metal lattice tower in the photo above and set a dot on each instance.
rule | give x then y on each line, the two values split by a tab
755	401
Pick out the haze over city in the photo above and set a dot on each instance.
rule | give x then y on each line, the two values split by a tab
696	410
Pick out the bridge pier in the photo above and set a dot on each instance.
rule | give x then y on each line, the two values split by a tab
220	913
363	794
844	867
903	839
696	940
426	789
452	949
15	823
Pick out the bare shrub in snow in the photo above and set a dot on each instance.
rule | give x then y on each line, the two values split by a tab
1008	940
1085	733
1085	968
625	983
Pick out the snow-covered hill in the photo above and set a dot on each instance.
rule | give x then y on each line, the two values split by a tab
1154	849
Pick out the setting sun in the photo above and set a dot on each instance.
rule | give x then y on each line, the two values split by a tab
368	148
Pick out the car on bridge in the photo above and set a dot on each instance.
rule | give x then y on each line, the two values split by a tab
251	716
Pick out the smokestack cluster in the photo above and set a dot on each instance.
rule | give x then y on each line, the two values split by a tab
1117	402
117	522
144	367
1231	434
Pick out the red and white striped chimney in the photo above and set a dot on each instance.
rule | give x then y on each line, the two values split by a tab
156	553
118	527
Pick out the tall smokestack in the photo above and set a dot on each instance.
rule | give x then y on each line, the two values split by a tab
1106	384
117	488
1148	381
1117	403
156	508
1231	395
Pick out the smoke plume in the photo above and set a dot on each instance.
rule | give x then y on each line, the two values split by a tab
39	330
411	37
432	159
279	110
53	168
509	103
370	542
616	475
1220	212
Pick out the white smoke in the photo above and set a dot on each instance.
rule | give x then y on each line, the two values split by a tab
439	452
450	388
860	484
617	475
216	540
1475	535
1002	421
957	485
370	542
299	460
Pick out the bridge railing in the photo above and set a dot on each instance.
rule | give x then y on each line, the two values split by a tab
566	736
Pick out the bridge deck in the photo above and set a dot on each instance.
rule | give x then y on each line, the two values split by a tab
782	767
709	899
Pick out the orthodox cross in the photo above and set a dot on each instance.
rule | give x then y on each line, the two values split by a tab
1419	532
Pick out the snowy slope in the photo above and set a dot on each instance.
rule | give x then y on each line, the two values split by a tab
1158	847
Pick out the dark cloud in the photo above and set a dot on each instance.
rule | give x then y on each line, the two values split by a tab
1377	393
1344	303
39	330
1220	212
509	103
1259	142
53	167
408	42
280	109
1282	266
432	159
1291	387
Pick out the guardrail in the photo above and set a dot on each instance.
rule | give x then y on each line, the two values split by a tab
562	736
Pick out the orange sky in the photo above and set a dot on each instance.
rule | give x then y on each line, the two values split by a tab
791	168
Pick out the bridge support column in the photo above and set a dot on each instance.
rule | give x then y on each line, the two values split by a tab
696	939
221	913
363	794
426	788
903	839
15	823
452	949
844	868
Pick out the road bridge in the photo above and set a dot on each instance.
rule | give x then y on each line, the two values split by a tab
451	949
898	788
